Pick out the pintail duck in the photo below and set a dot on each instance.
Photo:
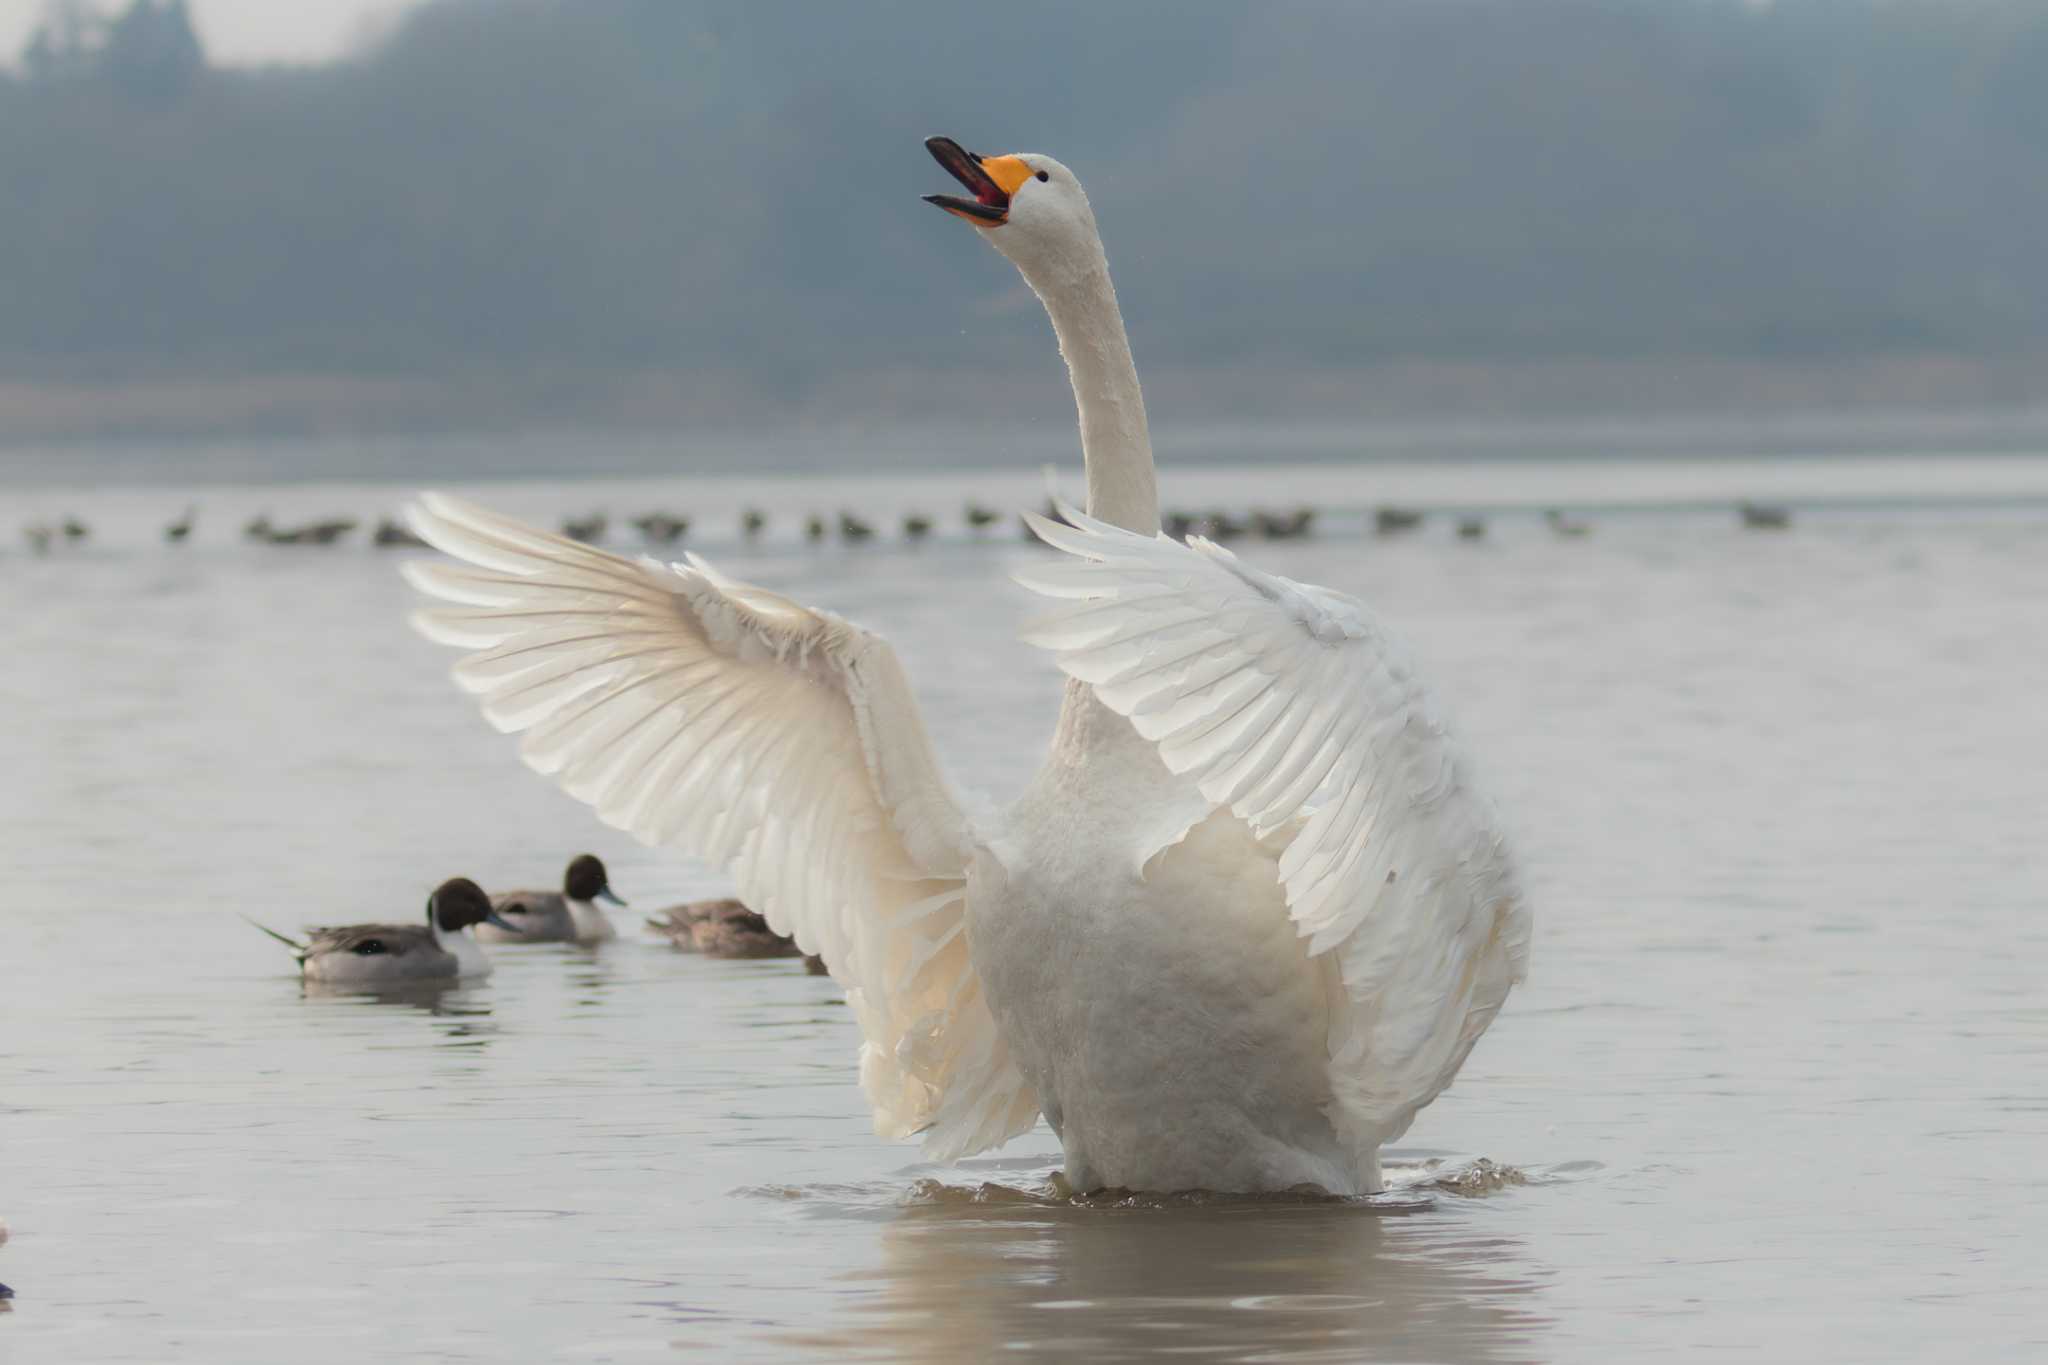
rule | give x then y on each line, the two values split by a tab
566	916
380	954
722	928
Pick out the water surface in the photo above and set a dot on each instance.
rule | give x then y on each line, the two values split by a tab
1777	1083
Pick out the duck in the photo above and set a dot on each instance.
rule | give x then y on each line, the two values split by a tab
586	529
179	531
814	528
1285	526
392	535
75	530
722	928
753	521
1471	528
1567	528
916	526
1247	920
566	916
1390	520
980	518
324	532
1759	516
663	528
853	529
377	954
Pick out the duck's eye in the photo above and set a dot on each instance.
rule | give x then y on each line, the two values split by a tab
1044	176
369	947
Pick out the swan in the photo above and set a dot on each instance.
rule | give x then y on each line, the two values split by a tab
1249	917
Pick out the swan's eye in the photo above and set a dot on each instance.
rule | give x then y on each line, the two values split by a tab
1043	176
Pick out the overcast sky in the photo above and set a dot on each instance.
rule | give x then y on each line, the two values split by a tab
243	30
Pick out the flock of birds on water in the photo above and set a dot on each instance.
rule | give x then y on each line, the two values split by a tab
663	528
460	916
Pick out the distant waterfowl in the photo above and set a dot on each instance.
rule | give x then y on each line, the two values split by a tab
916	526
586	529
75	530
663	528
313	532
1290	526
39	535
722	928
1471	528
566	916
1759	516
393	535
814	528
1220	526
179	531
372	954
261	528
1250	917
753	521
981	518
853	528
1388	520
1566	526
1178	525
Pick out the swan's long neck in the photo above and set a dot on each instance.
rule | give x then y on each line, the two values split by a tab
1115	444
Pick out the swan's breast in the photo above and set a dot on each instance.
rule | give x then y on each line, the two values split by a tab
1170	1020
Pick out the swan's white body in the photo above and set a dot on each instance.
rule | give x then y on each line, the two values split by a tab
1248	919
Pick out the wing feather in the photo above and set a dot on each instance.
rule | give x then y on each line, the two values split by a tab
1289	704
780	743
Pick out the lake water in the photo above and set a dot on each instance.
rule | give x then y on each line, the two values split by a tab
1778	1083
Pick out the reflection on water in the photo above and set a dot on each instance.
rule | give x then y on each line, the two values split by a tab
974	1274
435	997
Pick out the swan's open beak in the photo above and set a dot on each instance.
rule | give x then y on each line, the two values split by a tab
991	180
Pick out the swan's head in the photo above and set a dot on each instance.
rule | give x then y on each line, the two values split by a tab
1028	206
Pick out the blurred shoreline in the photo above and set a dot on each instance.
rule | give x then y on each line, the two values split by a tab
292	429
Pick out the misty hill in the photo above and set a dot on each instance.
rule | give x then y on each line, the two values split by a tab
555	198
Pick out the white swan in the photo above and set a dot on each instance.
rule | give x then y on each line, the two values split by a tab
1199	977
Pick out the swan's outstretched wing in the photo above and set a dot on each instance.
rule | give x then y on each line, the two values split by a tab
779	743
1271	694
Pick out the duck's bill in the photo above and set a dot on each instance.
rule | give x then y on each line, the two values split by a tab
611	897
493	917
984	179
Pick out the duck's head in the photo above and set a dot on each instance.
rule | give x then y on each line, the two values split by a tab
458	903
1028	206
586	880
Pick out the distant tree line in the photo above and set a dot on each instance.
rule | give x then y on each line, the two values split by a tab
564	188
147	53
